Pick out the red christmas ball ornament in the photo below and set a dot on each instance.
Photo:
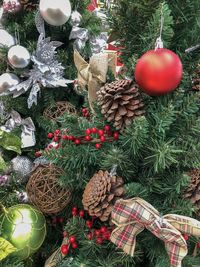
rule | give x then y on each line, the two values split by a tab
158	72
64	249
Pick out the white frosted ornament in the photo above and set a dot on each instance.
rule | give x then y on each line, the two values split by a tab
6	39
7	81
55	12
19	57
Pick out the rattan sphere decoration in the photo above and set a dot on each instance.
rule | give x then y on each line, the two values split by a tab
59	109
44	191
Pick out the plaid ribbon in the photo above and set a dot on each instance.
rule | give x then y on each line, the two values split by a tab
134	215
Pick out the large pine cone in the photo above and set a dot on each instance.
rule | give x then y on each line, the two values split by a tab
196	80
101	193
120	102
193	190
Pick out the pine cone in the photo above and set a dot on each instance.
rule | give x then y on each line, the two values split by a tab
120	102
101	193
29	5
196	80
193	190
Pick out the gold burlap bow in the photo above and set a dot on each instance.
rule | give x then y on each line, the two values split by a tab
134	215
92	74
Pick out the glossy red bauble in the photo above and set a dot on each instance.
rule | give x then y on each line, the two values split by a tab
158	72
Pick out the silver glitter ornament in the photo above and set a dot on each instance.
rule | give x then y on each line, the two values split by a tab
22	166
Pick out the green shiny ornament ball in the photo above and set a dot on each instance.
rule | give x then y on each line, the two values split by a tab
25	228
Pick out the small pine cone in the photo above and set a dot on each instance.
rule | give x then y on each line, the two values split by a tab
196	80
120	102
193	191
29	5
101	193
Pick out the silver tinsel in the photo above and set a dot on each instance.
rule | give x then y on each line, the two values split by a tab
22	166
46	71
40	161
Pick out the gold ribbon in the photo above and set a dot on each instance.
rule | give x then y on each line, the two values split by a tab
92	74
134	215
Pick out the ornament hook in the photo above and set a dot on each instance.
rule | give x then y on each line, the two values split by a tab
159	42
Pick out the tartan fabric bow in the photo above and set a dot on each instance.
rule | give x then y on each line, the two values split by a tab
134	215
92	74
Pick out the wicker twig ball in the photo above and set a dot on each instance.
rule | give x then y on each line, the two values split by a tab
59	109
44	191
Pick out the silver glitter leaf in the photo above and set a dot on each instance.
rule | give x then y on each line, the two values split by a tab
32	99
39	22
21	88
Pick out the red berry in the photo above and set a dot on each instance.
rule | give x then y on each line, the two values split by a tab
94	130
99	240
198	245
50	135
54	220
71	138
97	232
65	234
38	154
89	236
65	137
88	138
89	224
186	237
57	132
58	145
103	229
75	209
87	131
100	132
74	245
55	139
98	146
87	115
84	110
64	249
107	128
61	220
77	141
116	135
102	138
74	213
106	236
81	213
72	239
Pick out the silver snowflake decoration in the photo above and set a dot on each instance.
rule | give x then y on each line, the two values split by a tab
46	71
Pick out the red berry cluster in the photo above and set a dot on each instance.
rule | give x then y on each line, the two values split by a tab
56	220
100	235
85	112
71	243
186	237
76	212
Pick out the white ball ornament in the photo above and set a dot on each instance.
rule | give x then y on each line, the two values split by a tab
19	57
7	81
6	39
55	12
